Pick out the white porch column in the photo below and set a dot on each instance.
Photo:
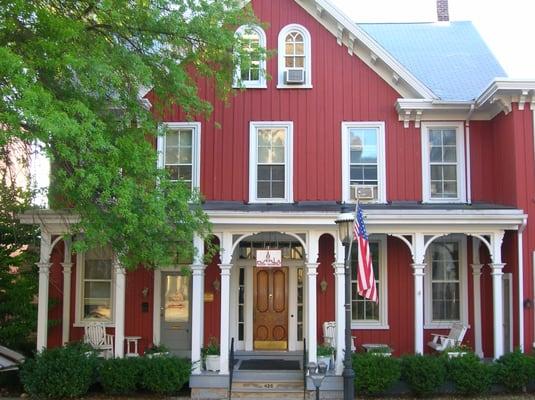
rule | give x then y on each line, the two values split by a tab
42	306
197	305
119	309
67	270
497	304
418	271
312	272
339	284
225	266
476	272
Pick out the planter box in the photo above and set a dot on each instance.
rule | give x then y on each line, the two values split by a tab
455	354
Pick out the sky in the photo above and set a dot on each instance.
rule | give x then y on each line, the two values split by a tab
506	26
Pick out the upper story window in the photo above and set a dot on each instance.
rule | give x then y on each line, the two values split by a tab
95	285
443	163
363	162
254	74
295	59
270	162
446	283
365	313
179	152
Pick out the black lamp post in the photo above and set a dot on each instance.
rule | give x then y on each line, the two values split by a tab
345	228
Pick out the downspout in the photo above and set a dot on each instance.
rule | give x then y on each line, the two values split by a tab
468	158
521	286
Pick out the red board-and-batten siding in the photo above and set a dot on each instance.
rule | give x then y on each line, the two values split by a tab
345	89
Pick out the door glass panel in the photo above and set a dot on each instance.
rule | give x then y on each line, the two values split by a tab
176	299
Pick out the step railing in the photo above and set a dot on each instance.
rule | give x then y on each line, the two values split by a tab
305	358
231	368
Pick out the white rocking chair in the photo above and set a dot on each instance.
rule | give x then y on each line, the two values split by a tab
454	338
95	335
329	335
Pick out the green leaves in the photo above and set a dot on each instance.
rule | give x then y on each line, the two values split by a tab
70	77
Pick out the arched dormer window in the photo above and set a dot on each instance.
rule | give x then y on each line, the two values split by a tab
254	43
295	57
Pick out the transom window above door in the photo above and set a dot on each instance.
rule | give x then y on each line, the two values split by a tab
443	163
363	162
270	169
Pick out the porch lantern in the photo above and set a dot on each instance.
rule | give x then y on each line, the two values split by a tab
345	228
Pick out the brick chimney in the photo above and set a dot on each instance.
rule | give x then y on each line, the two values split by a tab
443	13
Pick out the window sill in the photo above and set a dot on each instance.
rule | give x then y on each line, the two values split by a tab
446	325
444	201
263	86
270	201
371	326
83	324
282	86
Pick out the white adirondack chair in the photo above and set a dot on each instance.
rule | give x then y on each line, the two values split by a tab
95	335
454	338
329	335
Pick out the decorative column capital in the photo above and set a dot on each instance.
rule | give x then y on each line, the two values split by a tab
67	267
197	269
497	269
339	268
418	269
476	270
225	269
119	270
44	267
312	268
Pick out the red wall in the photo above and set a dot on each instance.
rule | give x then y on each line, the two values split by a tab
345	89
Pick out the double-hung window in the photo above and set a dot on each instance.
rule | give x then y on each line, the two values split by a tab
95	285
366	314
295	58
443	163
179	152
363	162
446	290
270	160
252	75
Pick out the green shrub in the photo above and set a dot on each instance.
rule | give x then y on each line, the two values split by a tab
375	374
165	375
60	372
469	374
120	375
424	374
515	370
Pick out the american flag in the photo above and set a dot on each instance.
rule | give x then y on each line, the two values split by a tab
366	286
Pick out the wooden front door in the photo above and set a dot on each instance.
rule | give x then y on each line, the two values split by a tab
270	316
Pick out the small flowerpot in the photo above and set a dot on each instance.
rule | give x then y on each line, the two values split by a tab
326	360
455	354
212	363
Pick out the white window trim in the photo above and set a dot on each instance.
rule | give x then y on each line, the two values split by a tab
288	172
381	159
78	312
461	168
308	57
463	278
196	141
383	289
261	82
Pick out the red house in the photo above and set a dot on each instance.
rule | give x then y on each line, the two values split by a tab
416	120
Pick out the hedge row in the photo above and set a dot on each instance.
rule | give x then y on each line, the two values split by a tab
426	374
68	372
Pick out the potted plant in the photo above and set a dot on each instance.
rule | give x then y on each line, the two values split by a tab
384	351
457	351
156	351
210	355
325	353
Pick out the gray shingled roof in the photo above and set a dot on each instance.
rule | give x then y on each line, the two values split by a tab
450	58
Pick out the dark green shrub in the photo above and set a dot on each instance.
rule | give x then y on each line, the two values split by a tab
469	374
120	375
424	374
514	371
375	373
60	372
165	374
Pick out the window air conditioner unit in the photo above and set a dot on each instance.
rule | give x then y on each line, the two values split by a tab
294	76
364	192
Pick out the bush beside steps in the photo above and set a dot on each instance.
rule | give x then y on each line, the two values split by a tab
70	372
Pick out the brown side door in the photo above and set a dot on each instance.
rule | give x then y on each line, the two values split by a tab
270	325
